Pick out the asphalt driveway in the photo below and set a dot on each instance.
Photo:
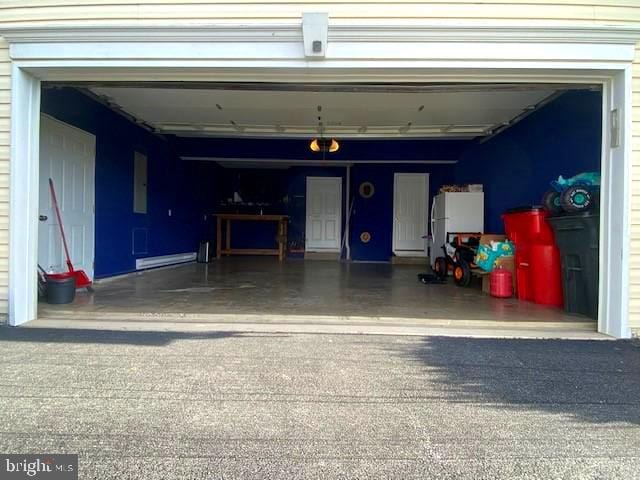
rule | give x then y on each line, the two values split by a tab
195	406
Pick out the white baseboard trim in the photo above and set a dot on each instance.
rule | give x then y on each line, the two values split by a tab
410	253
164	260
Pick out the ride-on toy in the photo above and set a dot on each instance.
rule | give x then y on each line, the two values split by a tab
459	254
576	194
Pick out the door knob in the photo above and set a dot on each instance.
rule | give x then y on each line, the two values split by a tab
43	218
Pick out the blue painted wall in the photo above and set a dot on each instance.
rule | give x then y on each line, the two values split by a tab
287	192
562	138
374	215
515	168
170	185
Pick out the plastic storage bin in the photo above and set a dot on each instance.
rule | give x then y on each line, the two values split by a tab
578	238
538	274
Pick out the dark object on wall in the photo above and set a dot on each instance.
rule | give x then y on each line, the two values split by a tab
577	237
204	252
366	190
61	288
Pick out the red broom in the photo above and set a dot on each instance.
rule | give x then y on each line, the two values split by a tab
82	279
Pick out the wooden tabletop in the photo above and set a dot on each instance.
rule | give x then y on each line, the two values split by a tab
244	216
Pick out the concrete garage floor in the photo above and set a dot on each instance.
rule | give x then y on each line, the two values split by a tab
159	405
243	291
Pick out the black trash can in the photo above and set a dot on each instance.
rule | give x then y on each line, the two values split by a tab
577	237
61	290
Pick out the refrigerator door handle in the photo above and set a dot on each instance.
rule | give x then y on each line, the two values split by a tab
433	220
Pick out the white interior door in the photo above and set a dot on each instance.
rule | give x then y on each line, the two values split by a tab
324	214
410	212
67	155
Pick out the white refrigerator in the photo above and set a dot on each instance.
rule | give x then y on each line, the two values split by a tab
454	212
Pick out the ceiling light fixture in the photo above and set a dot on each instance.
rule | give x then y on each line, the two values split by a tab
324	145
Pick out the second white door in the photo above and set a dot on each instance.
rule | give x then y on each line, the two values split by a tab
324	214
410	194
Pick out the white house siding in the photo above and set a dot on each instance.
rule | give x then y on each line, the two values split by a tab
163	12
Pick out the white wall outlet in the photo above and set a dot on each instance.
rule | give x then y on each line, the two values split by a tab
169	212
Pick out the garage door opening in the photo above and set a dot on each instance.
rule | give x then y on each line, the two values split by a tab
148	172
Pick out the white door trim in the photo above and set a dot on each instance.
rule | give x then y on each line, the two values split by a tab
394	248
24	195
307	248
376	53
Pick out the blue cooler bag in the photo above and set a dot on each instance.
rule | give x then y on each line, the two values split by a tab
488	254
486	257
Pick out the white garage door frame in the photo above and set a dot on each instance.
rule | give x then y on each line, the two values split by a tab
379	53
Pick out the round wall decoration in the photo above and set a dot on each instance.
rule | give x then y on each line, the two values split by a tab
365	237
366	189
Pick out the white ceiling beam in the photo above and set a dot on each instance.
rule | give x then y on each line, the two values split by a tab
284	161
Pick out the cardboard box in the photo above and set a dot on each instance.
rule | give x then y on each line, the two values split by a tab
487	238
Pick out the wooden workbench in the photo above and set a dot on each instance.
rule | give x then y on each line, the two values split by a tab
281	239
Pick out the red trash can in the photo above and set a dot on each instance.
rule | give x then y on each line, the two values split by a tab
546	275
528	225
538	276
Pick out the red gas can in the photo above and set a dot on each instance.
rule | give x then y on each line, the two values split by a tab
501	283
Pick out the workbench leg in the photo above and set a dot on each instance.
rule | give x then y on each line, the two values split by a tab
228	233
218	237
279	236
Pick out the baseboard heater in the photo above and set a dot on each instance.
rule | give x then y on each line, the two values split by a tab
164	260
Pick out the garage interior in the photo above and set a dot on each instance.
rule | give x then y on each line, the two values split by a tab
169	157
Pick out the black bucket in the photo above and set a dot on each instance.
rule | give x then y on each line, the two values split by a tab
61	290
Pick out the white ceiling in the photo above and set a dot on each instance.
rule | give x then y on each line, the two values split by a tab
220	112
